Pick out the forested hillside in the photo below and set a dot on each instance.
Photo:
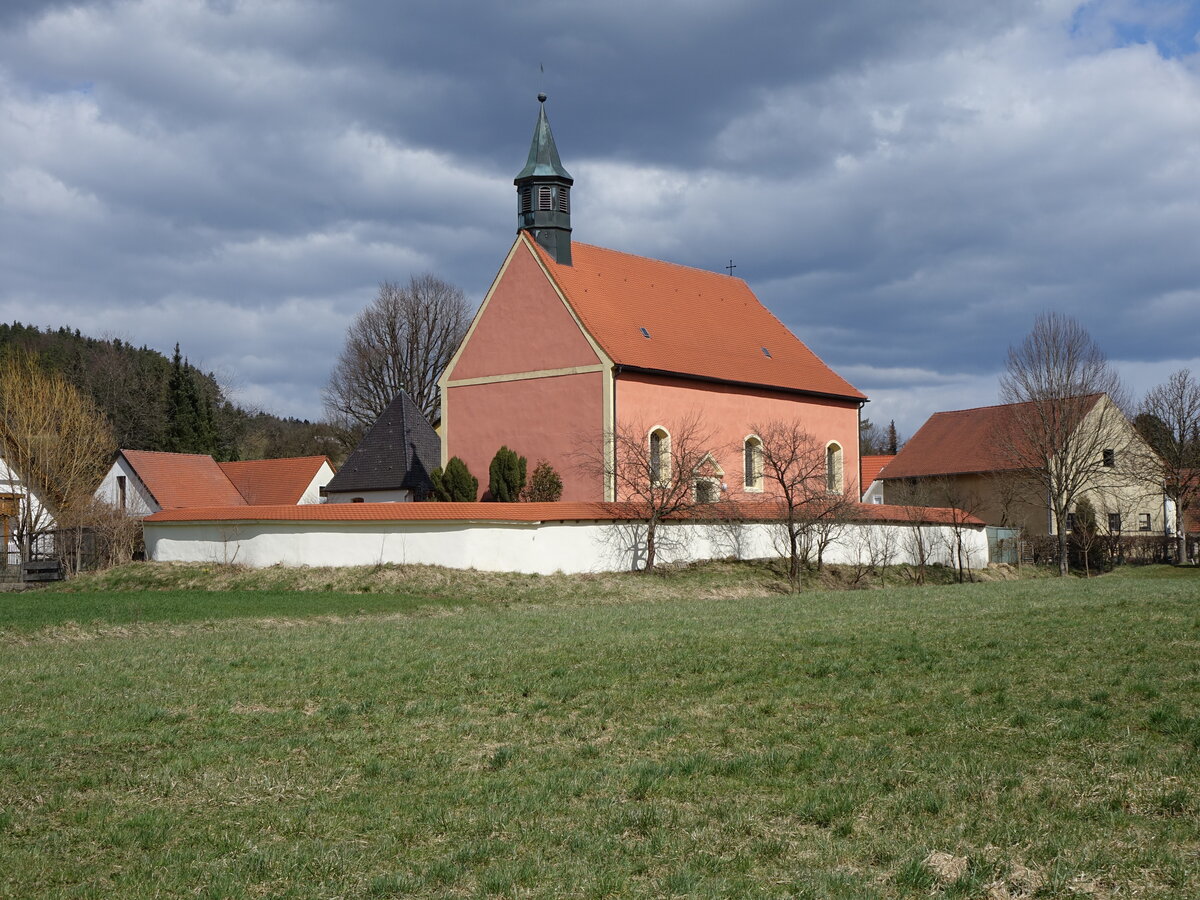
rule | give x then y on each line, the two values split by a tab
156	403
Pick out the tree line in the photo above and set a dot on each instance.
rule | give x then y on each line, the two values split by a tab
149	401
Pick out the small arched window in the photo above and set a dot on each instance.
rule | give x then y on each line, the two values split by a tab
752	463
660	456
526	199
545	197
564	200
833	468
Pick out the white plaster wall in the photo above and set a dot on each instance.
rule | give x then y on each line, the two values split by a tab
874	493
567	547
138	499
404	496
312	493
11	483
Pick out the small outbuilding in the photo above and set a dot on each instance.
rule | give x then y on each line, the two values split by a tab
394	461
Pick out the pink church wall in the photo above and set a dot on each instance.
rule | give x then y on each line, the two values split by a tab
645	401
525	327
539	418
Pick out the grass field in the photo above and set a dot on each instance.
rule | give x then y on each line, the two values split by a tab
617	736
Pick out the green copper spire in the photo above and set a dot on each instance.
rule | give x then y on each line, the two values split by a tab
544	192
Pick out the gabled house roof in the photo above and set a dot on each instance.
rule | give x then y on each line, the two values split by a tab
398	452
872	466
190	480
700	324
183	480
270	482
968	441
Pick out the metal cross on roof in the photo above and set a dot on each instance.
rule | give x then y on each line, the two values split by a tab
731	267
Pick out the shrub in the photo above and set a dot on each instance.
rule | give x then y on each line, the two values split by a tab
506	476
544	485
455	484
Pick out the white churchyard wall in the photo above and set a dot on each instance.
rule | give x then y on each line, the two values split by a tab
542	547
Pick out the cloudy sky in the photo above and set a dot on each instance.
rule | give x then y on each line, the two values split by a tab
906	185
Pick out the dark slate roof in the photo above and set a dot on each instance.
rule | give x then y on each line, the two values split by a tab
543	155
397	452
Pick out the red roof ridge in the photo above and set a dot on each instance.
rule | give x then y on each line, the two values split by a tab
968	409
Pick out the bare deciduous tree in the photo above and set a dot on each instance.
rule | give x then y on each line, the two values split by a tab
1175	408
663	469
814	507
1067	432
55	441
401	341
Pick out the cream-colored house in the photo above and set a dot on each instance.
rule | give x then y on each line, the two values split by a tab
984	460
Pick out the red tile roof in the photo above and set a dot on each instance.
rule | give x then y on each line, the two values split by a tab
700	323
872	466
182	480
267	482
526	513
963	441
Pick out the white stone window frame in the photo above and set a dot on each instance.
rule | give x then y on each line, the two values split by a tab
660	466
757	486
835	466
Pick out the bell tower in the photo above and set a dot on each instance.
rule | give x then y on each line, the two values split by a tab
544	192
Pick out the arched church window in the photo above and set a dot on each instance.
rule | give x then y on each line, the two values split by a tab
660	456
753	463
833	468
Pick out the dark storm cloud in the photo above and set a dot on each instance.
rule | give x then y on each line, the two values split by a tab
905	185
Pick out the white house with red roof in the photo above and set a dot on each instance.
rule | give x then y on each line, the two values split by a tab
573	343
872	466
143	482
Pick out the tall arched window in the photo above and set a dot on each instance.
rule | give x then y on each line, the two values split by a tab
833	468
752	465
660	456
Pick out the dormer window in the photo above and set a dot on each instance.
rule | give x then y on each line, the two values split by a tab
645	333
767	353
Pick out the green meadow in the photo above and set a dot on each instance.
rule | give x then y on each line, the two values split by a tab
178	733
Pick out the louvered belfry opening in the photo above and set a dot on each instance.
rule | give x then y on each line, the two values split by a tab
543	192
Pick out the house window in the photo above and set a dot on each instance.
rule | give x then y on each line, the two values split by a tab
707	490
753	463
833	468
357	500
1110	458
545	198
121	492
660	456
1143	521
1114	523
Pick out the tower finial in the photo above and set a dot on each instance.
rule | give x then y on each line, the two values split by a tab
541	96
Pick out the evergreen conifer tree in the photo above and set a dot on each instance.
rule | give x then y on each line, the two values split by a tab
506	476
455	483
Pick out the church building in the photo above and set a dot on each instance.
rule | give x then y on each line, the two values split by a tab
573	343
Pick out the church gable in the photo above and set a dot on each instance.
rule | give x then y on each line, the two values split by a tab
523	326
